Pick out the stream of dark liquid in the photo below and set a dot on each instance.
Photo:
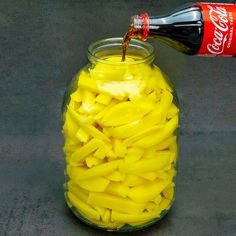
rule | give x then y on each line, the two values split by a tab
131	33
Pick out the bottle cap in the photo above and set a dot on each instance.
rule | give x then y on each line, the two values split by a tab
141	22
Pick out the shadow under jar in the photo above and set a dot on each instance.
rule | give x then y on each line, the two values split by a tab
120	122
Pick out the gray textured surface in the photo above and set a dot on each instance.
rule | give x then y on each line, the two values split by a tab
42	45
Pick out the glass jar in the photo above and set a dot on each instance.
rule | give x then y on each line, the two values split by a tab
120	129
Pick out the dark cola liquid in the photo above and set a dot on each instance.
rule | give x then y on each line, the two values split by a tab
182	30
131	33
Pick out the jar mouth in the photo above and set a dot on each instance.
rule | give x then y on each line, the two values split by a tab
139	51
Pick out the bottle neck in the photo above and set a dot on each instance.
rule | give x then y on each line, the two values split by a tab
181	30
149	26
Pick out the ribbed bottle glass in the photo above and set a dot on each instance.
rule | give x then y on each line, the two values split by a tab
120	123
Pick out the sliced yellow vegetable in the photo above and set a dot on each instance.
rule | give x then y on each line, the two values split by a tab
133	180
122	113
166	143
146	165
151	206
87	149
78	118
107	216
82	136
165	204
156	137
121	89
80	173
116	176
76	96
156	129
83	207
174	150
100	210
148	191
107	225
103	98
107	72
157	154
132	128
158	199
161	174
96	185
100	115
102	151
119	148
79	192
93	161
86	82
148	175
70	126
173	110
87	100
133	154
115	203
133	218
161	81
118	189
70	146
168	192
165	103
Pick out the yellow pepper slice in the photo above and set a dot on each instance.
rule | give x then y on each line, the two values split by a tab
96	185
165	204
168	192
133	128
145	165
148	175
165	103
118	189
79	192
156	137
107	216
79	173
76	96
116	176
82	136
143	135
102	151
133	154
166	143
103	98
114	203
70	127
133	180
83	207
173	110
78	118
117	216
148	191
158	199
85	150
122	113
119	148
93	161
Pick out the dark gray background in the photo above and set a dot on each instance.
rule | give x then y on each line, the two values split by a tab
42	45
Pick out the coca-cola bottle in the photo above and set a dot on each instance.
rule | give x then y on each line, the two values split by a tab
207	29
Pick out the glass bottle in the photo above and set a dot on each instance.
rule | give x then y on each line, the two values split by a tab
206	29
120	129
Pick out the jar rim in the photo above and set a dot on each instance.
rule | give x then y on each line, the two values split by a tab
136	44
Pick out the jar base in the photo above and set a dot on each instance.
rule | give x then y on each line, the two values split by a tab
122	229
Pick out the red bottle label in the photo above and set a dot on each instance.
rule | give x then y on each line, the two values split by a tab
219	37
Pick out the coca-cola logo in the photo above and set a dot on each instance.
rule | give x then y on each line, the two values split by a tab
219	17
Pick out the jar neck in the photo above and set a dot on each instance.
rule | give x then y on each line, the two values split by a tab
102	51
